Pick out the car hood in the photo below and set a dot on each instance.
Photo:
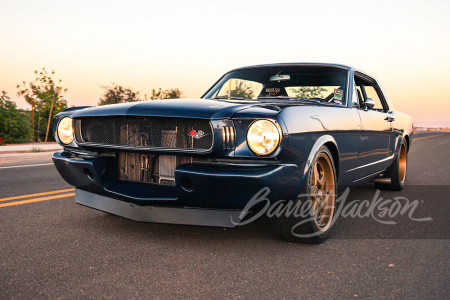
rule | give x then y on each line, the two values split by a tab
182	108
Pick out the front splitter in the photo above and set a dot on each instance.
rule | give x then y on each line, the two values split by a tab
153	214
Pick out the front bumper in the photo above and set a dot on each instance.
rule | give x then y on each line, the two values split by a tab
215	186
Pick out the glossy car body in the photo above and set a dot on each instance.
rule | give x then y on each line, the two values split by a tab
221	180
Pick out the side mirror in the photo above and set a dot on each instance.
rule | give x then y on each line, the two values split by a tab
369	104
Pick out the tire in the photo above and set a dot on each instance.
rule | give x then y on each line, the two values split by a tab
287	228
398	172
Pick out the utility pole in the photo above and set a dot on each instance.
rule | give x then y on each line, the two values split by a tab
32	117
39	126
49	118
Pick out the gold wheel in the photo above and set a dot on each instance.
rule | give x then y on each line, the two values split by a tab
402	163
322	192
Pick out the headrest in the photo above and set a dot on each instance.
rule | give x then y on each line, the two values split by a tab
273	88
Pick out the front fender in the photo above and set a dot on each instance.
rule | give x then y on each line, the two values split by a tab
330	142
319	143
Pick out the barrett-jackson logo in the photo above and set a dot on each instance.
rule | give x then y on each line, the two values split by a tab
197	134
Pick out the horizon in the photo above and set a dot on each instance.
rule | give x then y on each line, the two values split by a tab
173	44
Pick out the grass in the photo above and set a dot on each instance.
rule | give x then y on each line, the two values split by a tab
36	149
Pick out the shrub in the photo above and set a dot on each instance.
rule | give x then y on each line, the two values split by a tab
15	124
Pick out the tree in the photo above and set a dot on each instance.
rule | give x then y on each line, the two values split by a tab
15	125
309	92
118	94
174	93
243	90
43	94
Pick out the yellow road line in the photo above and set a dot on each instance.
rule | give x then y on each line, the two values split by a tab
426	137
34	195
37	200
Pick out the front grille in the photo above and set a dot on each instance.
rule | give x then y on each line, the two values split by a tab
145	132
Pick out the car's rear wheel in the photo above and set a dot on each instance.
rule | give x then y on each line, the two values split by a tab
398	171
320	195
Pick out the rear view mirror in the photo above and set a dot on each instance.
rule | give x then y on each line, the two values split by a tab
280	77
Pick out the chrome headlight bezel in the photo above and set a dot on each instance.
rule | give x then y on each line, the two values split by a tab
276	134
68	132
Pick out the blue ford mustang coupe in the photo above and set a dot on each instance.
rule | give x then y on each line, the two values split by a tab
294	132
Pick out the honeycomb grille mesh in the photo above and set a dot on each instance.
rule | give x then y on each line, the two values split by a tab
146	132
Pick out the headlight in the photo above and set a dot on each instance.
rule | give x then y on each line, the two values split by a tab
263	137
65	132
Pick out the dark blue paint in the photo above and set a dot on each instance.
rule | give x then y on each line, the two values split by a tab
215	186
232	176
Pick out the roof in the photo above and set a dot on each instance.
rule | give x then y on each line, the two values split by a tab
295	64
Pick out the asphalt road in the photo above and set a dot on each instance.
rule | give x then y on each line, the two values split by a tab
52	248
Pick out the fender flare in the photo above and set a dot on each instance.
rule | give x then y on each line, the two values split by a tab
319	143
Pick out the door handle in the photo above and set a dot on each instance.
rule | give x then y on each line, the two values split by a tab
390	119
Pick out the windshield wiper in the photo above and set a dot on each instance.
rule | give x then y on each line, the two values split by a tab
275	97
230	97
290	98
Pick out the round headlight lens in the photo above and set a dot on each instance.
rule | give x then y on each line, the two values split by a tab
263	137
65	132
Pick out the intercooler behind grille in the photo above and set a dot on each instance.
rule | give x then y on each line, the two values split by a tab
168	163
145	132
159	169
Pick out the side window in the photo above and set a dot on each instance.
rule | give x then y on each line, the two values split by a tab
360	95
365	89
372	93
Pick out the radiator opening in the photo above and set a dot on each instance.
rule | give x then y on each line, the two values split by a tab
150	168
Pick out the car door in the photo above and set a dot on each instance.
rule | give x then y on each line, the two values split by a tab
376	128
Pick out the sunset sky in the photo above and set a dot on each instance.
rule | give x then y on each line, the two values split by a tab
190	44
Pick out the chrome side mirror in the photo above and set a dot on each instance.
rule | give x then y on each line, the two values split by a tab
369	104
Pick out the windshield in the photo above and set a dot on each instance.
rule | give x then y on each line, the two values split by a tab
324	84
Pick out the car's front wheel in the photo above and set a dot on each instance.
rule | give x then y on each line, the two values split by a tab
313	224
